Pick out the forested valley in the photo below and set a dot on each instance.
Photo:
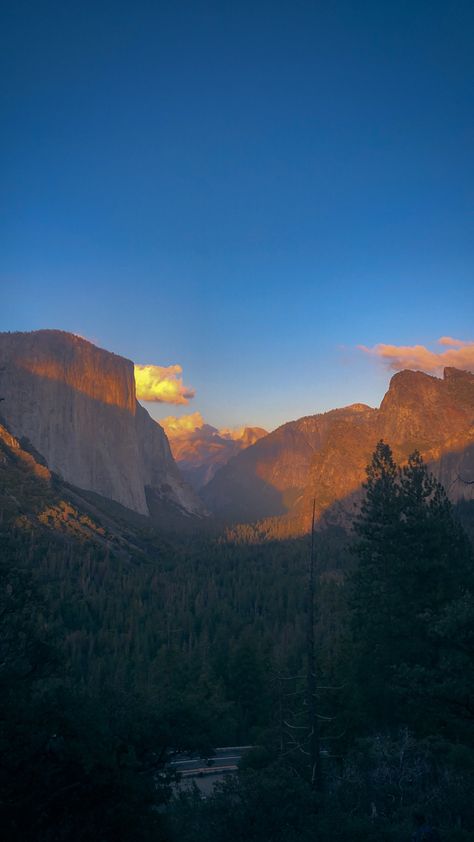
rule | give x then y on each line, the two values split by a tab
344	658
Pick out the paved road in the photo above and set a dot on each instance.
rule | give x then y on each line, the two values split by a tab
206	771
223	759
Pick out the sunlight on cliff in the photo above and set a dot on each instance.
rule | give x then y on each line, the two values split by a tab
86	375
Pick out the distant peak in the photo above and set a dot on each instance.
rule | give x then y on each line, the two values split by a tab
252	434
358	407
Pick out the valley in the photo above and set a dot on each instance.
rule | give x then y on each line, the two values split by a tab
189	629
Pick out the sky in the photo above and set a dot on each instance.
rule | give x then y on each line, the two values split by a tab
257	198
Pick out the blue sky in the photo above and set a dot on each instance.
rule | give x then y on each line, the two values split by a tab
248	190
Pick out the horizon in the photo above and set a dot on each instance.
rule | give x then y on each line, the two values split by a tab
191	421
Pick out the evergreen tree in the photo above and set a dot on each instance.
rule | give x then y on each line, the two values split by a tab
413	583
374	586
437	674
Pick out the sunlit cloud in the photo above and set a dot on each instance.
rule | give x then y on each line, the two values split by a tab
193	425
458	353
454	343
176	427
161	384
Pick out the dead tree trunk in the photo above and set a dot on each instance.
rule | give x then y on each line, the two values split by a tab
311	699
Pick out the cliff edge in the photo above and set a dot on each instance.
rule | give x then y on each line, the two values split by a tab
76	404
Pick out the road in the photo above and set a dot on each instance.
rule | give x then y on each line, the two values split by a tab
206	771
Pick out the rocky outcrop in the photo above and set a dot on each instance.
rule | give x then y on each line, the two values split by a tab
323	457
76	404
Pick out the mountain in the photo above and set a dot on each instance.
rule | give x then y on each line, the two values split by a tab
75	404
200	449
323	457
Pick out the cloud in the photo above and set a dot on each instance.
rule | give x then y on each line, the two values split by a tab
176	427
193	426
161	384
457	343
458	354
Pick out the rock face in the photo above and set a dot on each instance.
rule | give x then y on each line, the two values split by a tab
76	404
159	473
323	457
201	450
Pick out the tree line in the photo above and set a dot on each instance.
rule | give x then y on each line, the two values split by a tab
111	664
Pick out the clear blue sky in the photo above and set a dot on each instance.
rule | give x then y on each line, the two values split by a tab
248	189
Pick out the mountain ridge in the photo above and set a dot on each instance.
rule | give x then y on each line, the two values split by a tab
323	457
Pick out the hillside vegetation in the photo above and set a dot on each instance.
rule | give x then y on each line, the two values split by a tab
121	647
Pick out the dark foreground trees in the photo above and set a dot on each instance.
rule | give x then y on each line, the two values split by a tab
411	597
106	664
407	680
370	797
72	767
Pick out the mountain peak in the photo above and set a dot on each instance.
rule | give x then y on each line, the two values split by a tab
451	373
358	407
408	375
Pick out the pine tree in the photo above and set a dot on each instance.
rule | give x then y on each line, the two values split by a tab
373	586
415	571
437	673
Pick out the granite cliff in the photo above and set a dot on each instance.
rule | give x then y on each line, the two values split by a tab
323	457
75	404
